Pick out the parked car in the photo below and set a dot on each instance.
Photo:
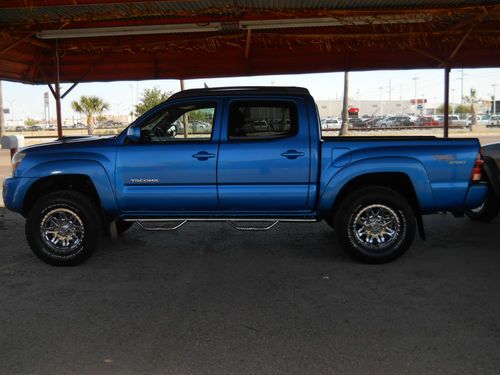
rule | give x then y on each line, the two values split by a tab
20	128
483	119
331	124
494	120
371	121
36	128
394	121
380	120
453	120
427	121
373	191
490	208
357	123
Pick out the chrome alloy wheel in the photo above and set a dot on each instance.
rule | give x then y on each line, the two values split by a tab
62	230
376	227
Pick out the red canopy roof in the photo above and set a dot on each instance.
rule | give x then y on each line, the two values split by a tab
104	40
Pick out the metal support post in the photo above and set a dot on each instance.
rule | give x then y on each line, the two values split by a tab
446	101
58	95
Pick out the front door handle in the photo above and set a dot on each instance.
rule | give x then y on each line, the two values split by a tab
292	154
203	155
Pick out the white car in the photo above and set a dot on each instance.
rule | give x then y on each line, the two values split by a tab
494	120
331	124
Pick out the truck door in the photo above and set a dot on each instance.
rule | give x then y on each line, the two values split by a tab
264	156
169	170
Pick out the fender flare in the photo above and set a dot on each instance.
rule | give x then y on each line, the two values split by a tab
412	168
90	168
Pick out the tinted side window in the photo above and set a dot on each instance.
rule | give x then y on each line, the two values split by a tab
262	119
184	122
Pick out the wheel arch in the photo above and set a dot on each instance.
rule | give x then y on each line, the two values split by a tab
405	175
397	181
45	185
86	176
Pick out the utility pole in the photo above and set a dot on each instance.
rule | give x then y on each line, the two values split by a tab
401	97
345	103
416	101
381	88
184	116
452	101
11	109
2	122
494	99
359	101
462	88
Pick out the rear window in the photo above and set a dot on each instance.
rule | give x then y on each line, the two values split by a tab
262	119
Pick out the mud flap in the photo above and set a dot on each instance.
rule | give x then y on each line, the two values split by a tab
113	232
420	226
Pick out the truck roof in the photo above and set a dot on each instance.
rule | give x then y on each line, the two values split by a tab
241	90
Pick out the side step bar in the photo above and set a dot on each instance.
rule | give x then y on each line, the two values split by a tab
232	221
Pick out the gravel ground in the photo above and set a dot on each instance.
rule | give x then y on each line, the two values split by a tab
210	300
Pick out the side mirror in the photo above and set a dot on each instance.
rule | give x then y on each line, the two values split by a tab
134	133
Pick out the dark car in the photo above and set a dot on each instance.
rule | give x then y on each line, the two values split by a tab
356	123
427	121
491	206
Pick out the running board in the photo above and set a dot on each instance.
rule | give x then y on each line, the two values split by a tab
232	221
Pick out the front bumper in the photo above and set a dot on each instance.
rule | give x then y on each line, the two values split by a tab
14	192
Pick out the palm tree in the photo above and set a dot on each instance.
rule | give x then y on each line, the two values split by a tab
90	106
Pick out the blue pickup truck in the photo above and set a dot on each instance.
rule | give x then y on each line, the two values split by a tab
241	155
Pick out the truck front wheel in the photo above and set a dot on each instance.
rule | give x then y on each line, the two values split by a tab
375	224
63	228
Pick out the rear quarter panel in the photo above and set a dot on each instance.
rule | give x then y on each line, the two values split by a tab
439	169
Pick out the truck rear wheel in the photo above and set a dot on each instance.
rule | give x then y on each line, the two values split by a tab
63	228
375	224
487	211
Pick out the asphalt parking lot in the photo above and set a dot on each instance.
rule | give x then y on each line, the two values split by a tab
208	299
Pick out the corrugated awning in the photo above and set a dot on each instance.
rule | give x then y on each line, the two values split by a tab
105	40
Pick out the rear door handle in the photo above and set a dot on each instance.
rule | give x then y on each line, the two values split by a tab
292	154
203	155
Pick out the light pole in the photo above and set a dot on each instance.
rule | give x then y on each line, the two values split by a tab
494	99
416	101
132	102
462	86
401	97
2	120
11	106
359	102
381	88
452	101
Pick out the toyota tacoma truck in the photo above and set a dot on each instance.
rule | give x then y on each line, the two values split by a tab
242	155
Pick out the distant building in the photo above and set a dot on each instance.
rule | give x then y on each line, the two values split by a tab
333	108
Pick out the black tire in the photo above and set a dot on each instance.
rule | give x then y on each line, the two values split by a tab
84	228
123	226
375	203
487	211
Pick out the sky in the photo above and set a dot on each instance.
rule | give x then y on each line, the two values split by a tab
27	100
